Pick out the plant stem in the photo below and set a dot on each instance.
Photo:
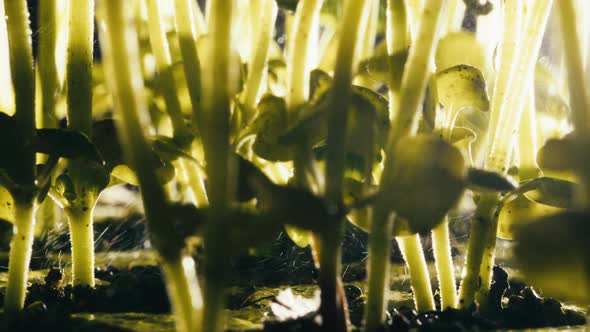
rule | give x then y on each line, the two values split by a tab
79	100
267	9
397	40
20	256
527	140
333	300
444	265
421	287
306	16
410	94
187	39
482	241
161	51
23	80
215	135
82	239
79	65
378	268
47	64
184	296
121	58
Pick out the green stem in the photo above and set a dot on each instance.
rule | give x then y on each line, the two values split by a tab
161	51
527	141
23	81
187	40
306	16
444	265
411	248
333	311
484	222
482	240
378	268
184	293
397	40
79	65
82	239
216	119
20	257
47	63
121	58
195	182
267	11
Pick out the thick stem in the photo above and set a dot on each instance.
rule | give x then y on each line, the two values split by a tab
411	248
23	81
82	239
215	134
484	222
47	64
184	293
378	268
445	268
79	65
482	240
332	303
20	257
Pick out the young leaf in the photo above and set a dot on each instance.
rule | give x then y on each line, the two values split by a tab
558	154
65	187
269	125
460	48
548	191
106	140
65	143
168	149
462	86
377	67
553	254
6	205
428	180
482	180
478	8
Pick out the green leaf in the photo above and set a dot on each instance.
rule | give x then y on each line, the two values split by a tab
482	180
106	140
269	125
548	191
301	237
558	154
6	205
462	86
520	211
427	180
168	149
377	68
65	187
65	143
289	5
553	254
460	48
249	177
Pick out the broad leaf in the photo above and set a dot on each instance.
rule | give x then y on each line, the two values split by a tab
6	205
377	68
427	180
553	254
548	191
106	140
518	212
66	143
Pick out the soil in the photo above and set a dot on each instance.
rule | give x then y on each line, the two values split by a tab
49	305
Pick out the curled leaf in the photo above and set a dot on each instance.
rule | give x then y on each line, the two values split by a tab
482	180
460	48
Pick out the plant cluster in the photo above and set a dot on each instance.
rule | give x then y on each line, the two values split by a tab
390	114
